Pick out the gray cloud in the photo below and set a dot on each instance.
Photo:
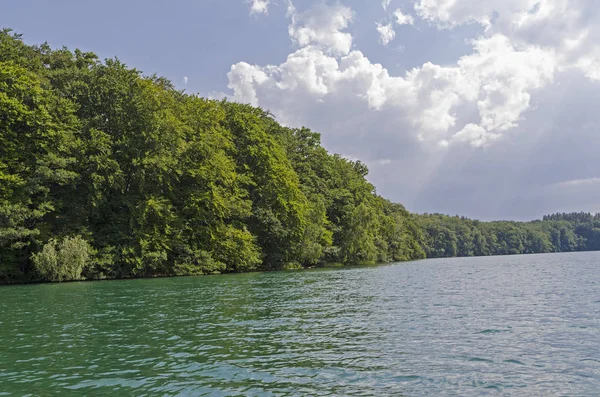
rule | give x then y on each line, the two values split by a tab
508	131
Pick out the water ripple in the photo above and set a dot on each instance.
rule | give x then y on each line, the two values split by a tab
523	325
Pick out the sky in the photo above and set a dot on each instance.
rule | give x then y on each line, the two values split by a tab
482	108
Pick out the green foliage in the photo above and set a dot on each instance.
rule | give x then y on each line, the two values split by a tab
237	249
158	183
164	183
62	261
34	157
193	263
447	236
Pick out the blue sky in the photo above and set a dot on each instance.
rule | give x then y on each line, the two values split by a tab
480	108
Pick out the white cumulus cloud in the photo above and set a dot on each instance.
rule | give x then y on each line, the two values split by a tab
403	19
570	28
386	33
323	26
259	6
496	82
520	95
386	30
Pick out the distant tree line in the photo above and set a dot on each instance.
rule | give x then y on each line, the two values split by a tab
107	173
449	236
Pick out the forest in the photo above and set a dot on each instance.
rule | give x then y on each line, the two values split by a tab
109	173
451	236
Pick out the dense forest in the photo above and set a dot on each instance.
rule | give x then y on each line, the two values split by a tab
450	236
109	173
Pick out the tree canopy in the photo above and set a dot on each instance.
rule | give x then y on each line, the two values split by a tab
108	173
101	162
448	236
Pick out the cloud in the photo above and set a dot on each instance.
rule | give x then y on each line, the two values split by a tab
578	182
505	129
386	33
495	82
570	28
243	77
322	26
185	80
451	13
476	135
259	6
385	4
402	19
386	30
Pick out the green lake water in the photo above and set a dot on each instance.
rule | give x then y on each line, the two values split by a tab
521	325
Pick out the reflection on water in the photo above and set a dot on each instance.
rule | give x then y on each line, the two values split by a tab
523	325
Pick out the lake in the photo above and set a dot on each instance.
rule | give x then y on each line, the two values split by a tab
519	325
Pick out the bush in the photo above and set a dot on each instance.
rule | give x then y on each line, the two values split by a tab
237	249
102	265
62	261
195	262
292	266
331	254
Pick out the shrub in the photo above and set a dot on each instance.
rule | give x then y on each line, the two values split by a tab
62	261
195	262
